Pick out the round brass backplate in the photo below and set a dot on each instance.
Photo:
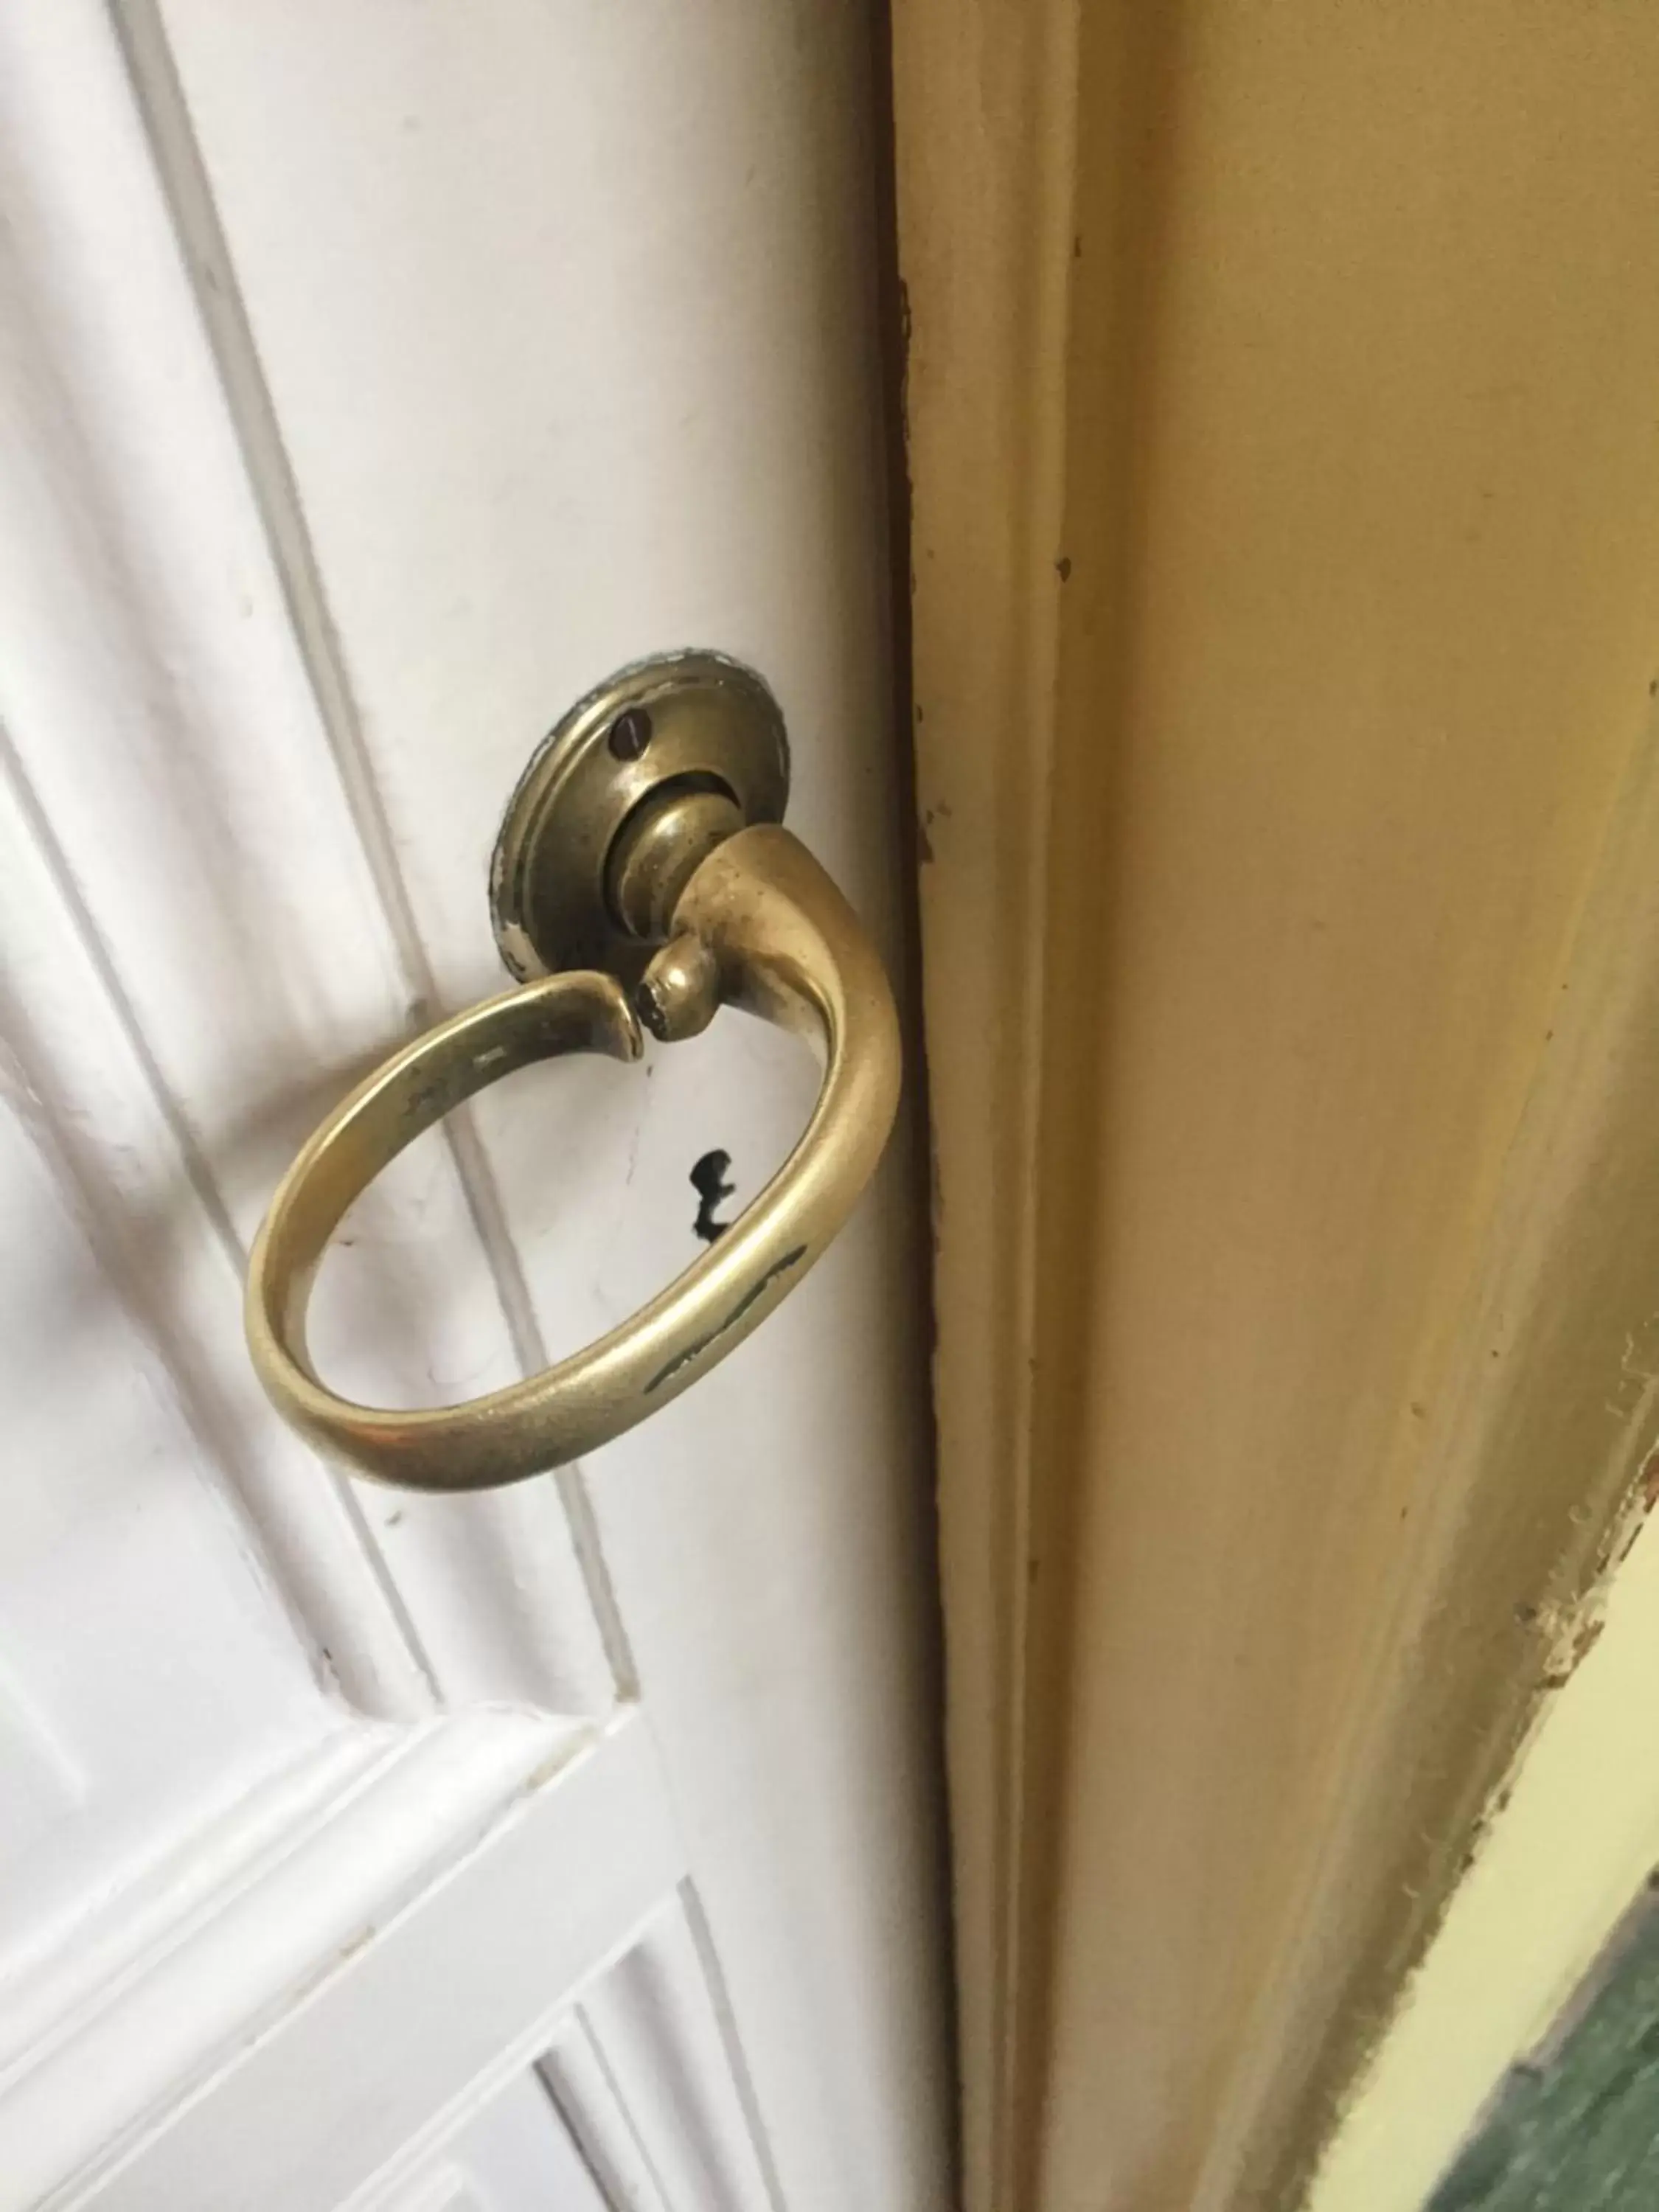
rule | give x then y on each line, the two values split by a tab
693	719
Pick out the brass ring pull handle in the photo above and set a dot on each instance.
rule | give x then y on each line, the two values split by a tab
745	917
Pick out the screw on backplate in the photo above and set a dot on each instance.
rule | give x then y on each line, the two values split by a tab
631	734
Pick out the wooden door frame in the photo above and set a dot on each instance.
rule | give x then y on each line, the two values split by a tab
1028	242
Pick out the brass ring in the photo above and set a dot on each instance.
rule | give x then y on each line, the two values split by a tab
776	938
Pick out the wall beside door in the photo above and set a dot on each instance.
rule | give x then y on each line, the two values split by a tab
1285	544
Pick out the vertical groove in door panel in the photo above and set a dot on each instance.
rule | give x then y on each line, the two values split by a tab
71	1037
165	724
700	1945
670	2060
593	2108
151	1674
277	494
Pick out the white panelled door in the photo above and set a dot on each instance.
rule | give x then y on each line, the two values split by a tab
376	376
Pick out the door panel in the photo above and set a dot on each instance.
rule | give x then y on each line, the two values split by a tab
184	1685
547	404
380	378
342	2002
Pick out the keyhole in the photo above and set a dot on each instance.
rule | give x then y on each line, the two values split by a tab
709	1181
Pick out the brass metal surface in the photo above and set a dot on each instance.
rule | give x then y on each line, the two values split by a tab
658	849
696	722
757	925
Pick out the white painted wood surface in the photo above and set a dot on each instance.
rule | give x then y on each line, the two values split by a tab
431	1923
516	2156
372	378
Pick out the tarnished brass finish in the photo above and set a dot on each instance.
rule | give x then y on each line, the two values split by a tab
679	993
755	923
658	848
694	721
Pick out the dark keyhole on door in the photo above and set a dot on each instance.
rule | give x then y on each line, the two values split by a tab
709	1181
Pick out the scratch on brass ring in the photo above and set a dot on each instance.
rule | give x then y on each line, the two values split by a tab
705	1343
